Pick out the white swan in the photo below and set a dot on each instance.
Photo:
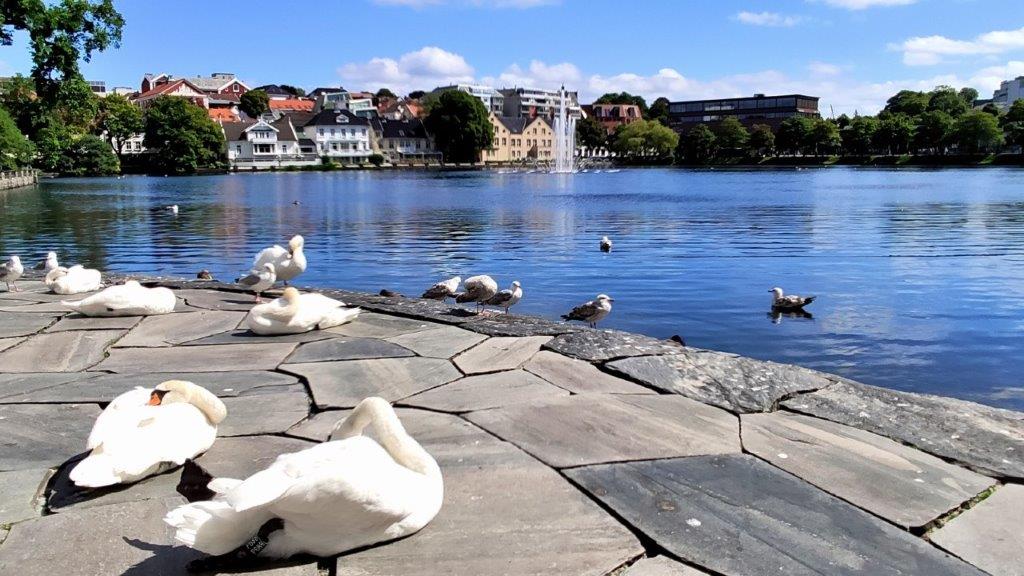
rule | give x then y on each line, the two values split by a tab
293	313
593	311
73	280
444	289
337	496
479	289
10	271
128	299
287	263
145	431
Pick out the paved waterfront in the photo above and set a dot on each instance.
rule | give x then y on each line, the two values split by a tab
564	450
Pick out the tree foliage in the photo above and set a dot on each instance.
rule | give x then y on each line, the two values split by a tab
181	137
700	145
933	130
823	138
908	102
659	111
119	120
88	156
859	134
947	99
19	98
591	134
792	135
1013	124
16	150
385	93
254	103
762	140
293	90
895	133
644	138
731	135
975	132
460	125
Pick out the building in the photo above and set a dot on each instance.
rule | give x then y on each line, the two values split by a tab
98	87
1009	92
520	140
330	98
291	105
493	100
611	116
530	103
403	141
340	135
759	109
181	87
363	107
275	92
258	144
216	83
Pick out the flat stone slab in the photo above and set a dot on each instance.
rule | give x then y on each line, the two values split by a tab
23	324
602	345
347	349
661	566
486	391
989	534
594	428
171	329
101	388
731	382
986	439
579	377
246	336
53	308
443	342
242	457
345	384
59	352
36	436
372	325
217	300
499	353
737	515
20	388
500	324
901	484
79	322
20	494
263	413
6	343
223	358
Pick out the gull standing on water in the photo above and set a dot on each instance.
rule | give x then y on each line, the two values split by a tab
507	298
10	271
592	312
791	302
259	280
479	289
606	244
287	263
443	290
49	263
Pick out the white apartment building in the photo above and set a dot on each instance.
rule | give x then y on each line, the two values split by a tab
532	102
1009	92
493	100
340	135
260	144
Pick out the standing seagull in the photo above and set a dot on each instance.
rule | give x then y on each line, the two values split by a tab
479	289
49	263
791	302
507	298
606	244
287	263
10	271
592	312
259	280
443	290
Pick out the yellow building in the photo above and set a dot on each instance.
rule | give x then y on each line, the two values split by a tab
520	141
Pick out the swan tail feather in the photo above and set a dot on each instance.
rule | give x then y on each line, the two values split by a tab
214	527
95	471
338	316
221	486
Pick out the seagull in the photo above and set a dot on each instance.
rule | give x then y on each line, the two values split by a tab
173	209
10	271
606	244
443	290
49	263
791	302
592	312
204	274
259	279
507	298
479	289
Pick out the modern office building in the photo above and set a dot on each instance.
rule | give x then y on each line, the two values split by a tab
759	109
1009	92
493	100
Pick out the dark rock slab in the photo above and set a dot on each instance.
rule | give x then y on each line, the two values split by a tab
601	345
499	353
59	352
243	456
901	484
986	439
80	322
347	349
246	336
217	300
989	534
263	413
20	494
731	382
24	324
579	377
443	342
737	515
661	566
43	435
345	384
171	329
592	428
374	325
495	324
486	391
222	358
409	307
55	308
36	387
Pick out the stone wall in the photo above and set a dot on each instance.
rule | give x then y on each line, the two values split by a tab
18	178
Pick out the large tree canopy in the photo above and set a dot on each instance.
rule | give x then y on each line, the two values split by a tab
15	150
645	138
254	103
181	136
460	125
119	120
624	98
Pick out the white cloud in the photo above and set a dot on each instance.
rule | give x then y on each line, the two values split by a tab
988	79
423	69
520	4
930	50
864	4
767	19
537	75
824	69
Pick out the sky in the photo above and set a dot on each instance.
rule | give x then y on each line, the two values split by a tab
854	54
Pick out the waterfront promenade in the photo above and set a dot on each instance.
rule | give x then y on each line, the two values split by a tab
564	450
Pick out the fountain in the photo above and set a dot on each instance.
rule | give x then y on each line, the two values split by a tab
565	138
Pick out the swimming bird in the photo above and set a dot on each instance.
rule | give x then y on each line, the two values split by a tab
593	311
287	263
128	299
73	280
259	280
48	263
507	298
173	209
146	431
337	496
10	271
479	289
444	289
791	302
294	313
606	244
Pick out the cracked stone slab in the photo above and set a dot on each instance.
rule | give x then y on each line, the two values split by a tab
171	329
901	484
594	428
499	353
989	534
504	513
989	440
52	308
64	495
60	351
216	300
6	343
373	325
737	515
26	387
345	384
79	322
347	349
428	310
263	413
579	377
499	324
443	342
246	336
43	435
486	391
661	566
601	345
731	382
239	457
24	324
222	358
20	494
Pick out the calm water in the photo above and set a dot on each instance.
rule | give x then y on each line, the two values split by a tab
920	274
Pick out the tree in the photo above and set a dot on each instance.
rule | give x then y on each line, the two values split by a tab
118	121
15	149
624	98
792	135
843	121
52	143
895	133
976	131
992	109
947	99
762	140
293	90
254	103
700	145
89	156
19	98
933	130
644	138
909	102
460	125
416	94
181	136
823	137
591	134
858	136
968	95
1013	124
385	93
731	135
659	111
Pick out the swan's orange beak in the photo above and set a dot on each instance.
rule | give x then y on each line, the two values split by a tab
154	399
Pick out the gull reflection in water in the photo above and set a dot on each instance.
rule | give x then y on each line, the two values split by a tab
777	315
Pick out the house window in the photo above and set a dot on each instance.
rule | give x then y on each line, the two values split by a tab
321	131
264	148
238	149
332	131
334	146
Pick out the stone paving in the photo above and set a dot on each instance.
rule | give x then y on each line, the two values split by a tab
564	450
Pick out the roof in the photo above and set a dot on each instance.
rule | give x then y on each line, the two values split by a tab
273	90
399	128
223	114
514	125
213	83
224	98
331	118
285	131
321	90
754	97
165	88
292	104
298	117
234	130
359	95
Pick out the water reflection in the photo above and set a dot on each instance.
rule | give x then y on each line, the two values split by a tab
776	316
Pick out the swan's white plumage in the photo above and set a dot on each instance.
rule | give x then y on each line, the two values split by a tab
295	313
74	280
288	262
128	299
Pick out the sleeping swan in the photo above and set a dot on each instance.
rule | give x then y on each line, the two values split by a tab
129	299
333	497
73	280
294	313
146	431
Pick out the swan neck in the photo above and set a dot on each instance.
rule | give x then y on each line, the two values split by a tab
390	434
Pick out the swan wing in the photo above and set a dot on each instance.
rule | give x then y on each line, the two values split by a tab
274	255
109	422
150	435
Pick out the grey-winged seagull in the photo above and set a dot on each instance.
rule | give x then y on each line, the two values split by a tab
10	271
479	289
444	289
791	302
507	298
591	312
606	244
49	263
259	279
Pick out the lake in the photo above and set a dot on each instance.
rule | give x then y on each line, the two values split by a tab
919	273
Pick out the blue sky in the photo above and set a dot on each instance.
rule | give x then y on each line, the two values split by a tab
852	53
